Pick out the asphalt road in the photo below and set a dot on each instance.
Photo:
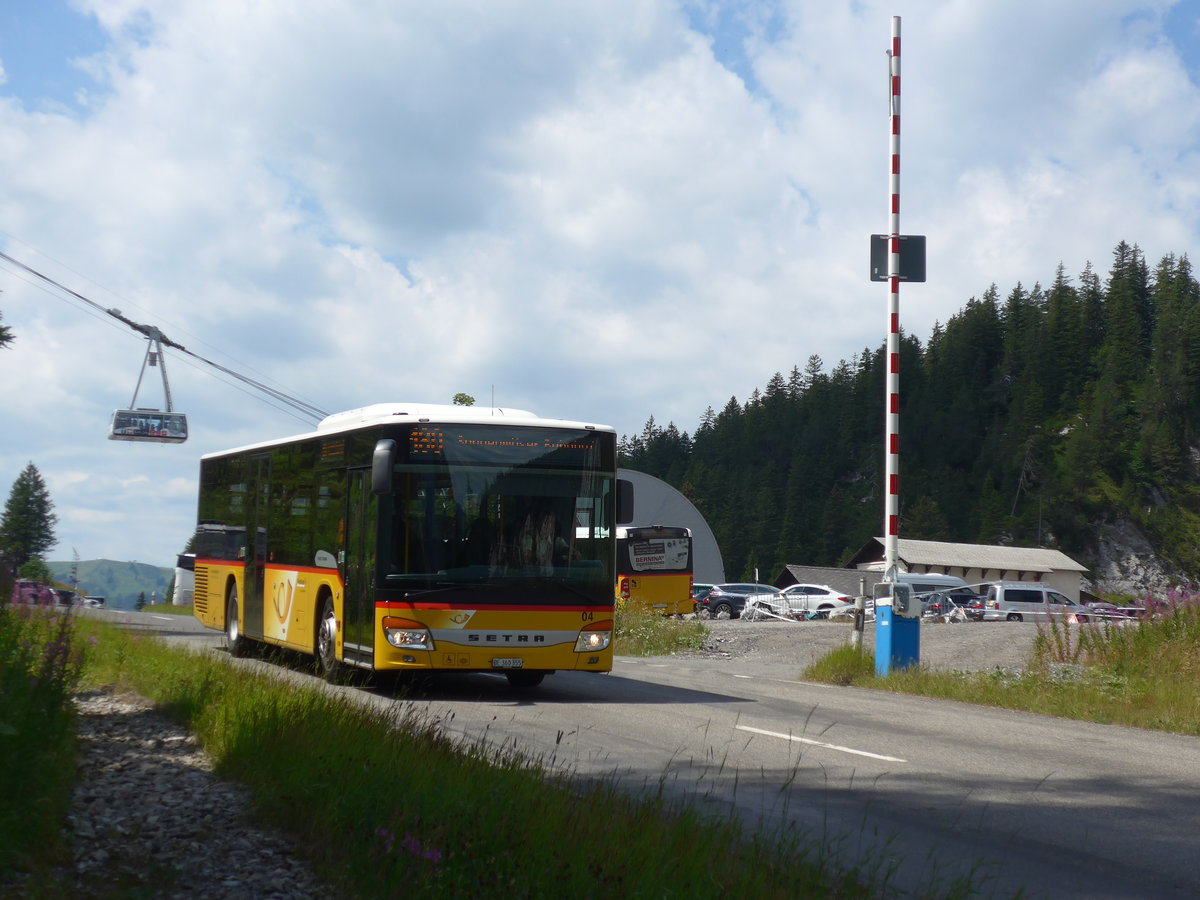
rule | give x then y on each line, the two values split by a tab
938	789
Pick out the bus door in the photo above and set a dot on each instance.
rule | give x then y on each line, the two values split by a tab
358	613
259	475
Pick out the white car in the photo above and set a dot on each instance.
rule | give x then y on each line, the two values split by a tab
815	599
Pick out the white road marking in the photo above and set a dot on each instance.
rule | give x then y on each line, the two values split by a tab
800	740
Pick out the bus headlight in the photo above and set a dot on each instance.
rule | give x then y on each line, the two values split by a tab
405	634
598	637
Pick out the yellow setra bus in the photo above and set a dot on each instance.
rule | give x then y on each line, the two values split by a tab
654	567
416	538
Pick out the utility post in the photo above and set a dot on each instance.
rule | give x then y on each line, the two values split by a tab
897	622
860	615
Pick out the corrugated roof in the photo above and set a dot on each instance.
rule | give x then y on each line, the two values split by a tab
984	556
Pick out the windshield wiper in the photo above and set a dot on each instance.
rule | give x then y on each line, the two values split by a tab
441	590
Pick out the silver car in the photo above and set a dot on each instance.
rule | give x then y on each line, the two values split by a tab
1022	600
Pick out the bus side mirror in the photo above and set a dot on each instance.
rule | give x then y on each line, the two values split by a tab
624	502
382	461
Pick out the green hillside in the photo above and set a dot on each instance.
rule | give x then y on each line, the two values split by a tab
119	582
1036	419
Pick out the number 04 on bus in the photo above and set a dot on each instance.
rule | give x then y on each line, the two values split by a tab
415	538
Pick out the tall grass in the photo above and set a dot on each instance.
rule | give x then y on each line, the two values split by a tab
842	665
384	803
40	666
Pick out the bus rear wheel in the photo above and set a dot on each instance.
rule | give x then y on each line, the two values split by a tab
235	642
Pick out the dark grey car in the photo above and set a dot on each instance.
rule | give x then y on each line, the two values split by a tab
726	601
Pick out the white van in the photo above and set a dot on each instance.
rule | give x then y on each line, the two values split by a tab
1019	601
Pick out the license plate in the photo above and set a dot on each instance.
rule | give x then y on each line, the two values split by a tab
508	663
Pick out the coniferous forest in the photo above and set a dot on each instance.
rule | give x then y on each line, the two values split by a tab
1030	419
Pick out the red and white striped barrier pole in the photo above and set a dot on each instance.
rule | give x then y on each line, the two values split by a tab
891	519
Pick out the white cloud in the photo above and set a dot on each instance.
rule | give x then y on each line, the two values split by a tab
591	210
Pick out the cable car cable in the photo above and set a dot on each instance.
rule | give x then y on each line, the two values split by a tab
103	317
155	335
125	300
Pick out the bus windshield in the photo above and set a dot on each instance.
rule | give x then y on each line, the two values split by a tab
476	505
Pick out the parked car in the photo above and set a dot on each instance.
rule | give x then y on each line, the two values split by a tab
33	593
974	609
941	603
698	589
929	586
814	599
726	601
1021	600
1111	612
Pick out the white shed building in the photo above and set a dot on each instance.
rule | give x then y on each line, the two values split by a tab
977	563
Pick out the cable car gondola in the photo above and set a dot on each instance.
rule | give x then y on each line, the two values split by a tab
150	425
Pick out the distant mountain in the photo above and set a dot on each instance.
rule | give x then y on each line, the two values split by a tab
120	583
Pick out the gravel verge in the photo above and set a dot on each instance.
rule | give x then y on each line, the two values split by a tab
149	818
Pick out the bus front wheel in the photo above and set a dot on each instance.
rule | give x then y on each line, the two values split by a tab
524	679
327	642
235	642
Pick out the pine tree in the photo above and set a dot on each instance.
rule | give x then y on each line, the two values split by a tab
1165	392
1067	361
795	385
924	521
1128	312
27	526
1091	301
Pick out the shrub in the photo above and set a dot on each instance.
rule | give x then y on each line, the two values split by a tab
643	632
39	670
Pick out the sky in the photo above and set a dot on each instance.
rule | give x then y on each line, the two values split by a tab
602	210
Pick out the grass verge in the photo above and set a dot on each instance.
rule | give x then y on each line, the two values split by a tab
166	609
383	801
1143	673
